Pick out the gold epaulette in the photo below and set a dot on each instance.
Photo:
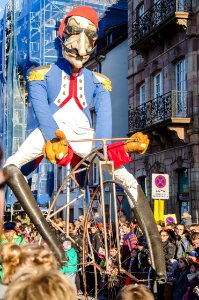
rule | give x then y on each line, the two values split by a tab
38	73
104	80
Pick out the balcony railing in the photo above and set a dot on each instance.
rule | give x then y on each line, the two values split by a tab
160	12
174	105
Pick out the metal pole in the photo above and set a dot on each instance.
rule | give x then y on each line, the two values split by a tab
67	200
103	211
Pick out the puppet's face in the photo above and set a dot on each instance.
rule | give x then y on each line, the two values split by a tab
80	35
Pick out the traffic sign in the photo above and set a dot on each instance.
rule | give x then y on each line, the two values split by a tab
160	186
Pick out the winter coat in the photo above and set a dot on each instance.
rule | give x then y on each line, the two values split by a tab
181	285
190	295
17	239
182	247
71	265
169	250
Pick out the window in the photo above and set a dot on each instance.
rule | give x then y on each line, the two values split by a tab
180	5
183	182
142	94
180	107
183	190
180	73
141	19
109	39
142	182
158	91
59	177
140	10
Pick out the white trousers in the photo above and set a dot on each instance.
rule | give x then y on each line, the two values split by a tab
32	148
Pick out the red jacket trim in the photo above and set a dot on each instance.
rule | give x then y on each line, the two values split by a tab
67	159
117	154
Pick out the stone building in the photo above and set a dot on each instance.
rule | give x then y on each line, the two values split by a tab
163	83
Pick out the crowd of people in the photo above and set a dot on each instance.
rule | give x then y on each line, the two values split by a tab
26	261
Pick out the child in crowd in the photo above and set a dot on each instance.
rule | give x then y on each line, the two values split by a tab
181	280
133	266
112	269
171	267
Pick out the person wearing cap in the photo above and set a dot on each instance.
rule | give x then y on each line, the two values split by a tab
70	268
10	235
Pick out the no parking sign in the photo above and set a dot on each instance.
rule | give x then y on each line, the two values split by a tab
160	186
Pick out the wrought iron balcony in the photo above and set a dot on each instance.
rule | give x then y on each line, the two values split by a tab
157	16
172	107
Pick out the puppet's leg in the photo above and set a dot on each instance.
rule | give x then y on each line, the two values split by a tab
21	189
28	151
144	215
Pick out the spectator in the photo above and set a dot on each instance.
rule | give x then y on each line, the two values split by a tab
10	235
143	253
129	243
170	228
135	292
40	284
190	294
70	268
122	221
15	257
98	220
182	242
112	269
81	219
149	274
130	240
95	239
194	253
194	227
181	280
186	219
168	247
193	267
171	267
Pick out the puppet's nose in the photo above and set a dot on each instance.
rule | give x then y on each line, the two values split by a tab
82	44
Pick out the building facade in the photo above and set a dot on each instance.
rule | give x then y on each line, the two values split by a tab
163	97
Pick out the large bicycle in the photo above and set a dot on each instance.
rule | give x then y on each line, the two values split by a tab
103	278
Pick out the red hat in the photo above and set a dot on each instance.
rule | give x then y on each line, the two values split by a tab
81	11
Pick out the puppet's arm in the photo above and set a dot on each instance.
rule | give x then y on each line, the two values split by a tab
37	90
119	152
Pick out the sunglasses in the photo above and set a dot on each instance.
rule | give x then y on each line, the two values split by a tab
74	30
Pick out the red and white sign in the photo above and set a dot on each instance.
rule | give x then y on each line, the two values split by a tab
160	186
120	198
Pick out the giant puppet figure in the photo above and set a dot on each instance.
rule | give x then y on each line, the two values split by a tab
62	95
